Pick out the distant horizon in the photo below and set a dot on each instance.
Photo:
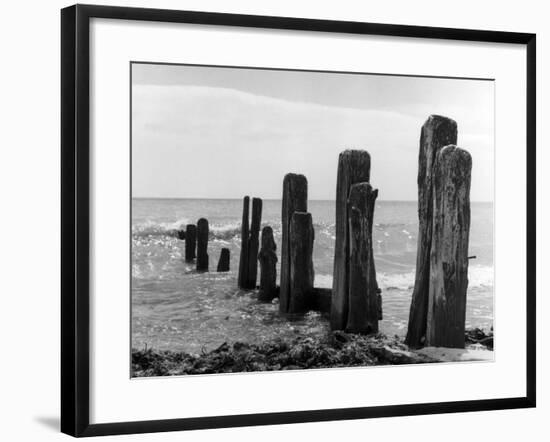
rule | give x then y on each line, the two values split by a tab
274	199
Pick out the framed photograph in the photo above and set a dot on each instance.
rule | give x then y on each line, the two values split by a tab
273	220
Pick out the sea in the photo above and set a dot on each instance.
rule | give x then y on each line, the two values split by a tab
176	308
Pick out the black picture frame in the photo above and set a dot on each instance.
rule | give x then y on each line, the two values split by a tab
75	212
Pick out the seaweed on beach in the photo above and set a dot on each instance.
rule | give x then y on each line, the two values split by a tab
479	336
338	349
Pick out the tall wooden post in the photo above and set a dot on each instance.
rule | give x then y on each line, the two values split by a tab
253	243
436	132
353	167
190	242
223	263
449	253
301	262
243	260
268	269
202	245
363	311
294	200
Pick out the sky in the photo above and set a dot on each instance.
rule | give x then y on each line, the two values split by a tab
218	132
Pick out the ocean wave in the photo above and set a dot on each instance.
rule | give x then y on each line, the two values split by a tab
151	228
478	277
224	231
215	232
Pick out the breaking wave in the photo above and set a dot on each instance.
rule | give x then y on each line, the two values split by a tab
216	232
479	277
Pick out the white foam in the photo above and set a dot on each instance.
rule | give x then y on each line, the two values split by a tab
479	277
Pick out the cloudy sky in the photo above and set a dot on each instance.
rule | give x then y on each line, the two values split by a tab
208	132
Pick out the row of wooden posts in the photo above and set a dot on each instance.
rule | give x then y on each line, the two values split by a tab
196	247
354	303
296	292
438	306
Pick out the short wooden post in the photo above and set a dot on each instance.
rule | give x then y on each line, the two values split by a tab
268	269
223	263
243	259
449	252
353	167
294	200
363	309
320	300
202	245
436	132
301	236
190	242
253	243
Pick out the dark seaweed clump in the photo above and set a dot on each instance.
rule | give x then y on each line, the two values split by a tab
478	336
338	349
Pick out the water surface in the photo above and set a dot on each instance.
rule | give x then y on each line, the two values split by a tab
175	308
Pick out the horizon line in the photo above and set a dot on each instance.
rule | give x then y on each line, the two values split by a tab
273	199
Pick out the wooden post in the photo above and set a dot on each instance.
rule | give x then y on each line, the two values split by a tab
363	309
320	300
380	309
353	167
294	200
243	260
449	253
436	132
301	262
223	263
268	269
190	242
202	245
253	243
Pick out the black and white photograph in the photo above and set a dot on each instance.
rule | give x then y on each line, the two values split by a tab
275	221
293	220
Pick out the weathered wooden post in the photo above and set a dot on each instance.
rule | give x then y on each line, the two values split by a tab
449	252
301	237
253	243
436	132
353	167
268	269
363	309
243	259
294	200
202	245
190	242
223	263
